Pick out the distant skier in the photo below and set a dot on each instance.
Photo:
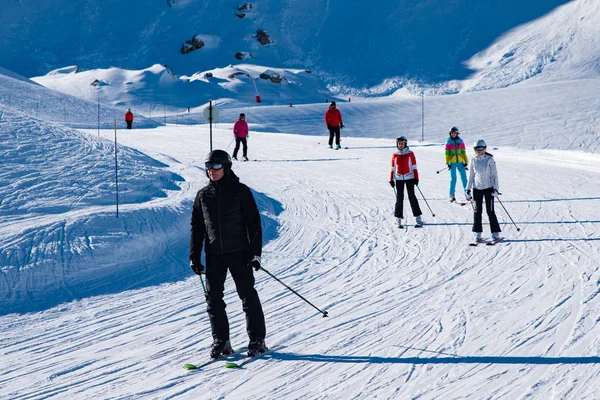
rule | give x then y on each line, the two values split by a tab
456	158
240	131
483	179
404	173
129	118
226	221
333	119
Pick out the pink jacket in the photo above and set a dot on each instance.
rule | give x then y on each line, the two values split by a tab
240	129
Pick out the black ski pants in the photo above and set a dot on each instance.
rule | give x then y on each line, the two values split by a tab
478	196
242	274
410	190
244	142
334	130
129	124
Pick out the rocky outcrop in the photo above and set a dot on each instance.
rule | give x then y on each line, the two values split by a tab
263	37
246	6
240	55
231	76
271	75
192	44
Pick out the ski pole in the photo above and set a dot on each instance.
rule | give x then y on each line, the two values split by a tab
425	200
518	229
203	287
396	193
446	167
293	291
230	143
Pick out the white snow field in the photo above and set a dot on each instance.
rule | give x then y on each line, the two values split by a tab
413	313
98	307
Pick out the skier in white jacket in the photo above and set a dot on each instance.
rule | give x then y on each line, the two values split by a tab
483	179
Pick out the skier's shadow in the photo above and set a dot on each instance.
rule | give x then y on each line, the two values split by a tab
432	360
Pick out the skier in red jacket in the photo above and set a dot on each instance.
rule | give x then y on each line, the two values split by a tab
404	173
333	119
129	118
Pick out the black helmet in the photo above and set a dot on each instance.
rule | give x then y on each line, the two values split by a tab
218	157
242	115
401	139
453	129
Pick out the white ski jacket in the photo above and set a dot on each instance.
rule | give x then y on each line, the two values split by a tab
483	173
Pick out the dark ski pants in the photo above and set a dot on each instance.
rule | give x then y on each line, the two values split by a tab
414	203
334	130
244	142
478	196
129	124
242	274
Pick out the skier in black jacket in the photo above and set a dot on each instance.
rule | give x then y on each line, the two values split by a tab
226	220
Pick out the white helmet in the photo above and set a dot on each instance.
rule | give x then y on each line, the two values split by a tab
480	143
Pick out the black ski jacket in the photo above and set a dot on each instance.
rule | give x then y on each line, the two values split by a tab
225	217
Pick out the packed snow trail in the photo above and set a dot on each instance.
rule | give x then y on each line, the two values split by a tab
392	295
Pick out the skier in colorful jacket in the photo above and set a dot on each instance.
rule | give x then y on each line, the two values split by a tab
483	179
456	158
333	119
240	131
129	118
404	173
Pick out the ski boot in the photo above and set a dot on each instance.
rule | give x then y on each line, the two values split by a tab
220	348
256	347
330	146
337	147
452	199
234	158
419	222
244	158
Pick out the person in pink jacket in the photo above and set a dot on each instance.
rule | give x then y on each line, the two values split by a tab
240	131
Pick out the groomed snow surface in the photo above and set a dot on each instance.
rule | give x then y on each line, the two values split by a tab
413	313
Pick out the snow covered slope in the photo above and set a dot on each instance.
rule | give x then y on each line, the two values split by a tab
355	43
562	45
57	201
156	90
25	96
413	313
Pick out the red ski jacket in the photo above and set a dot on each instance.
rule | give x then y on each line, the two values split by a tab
404	166
333	117
128	116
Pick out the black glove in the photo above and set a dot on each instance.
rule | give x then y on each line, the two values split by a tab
392	184
416	182
328	126
449	166
468	196
255	263
197	267
341	126
466	166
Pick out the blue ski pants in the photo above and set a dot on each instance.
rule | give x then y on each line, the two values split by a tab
463	177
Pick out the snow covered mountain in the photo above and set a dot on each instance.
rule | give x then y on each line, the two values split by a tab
351	43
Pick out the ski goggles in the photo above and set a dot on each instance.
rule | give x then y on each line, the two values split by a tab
212	165
479	148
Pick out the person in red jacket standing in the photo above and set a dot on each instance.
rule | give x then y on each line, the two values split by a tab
240	131
129	118
404	173
333	119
